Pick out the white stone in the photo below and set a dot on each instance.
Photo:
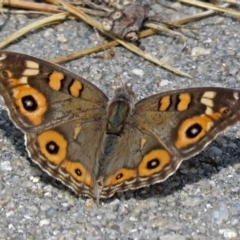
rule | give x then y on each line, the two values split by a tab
138	72
6	166
199	51
228	233
44	222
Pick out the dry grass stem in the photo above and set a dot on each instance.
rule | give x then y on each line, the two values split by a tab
199	16
96	6
84	52
94	12
167	30
37	24
233	2
216	8
31	5
25	12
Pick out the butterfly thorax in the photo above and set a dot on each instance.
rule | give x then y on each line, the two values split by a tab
119	109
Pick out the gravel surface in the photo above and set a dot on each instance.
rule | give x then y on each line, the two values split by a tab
201	201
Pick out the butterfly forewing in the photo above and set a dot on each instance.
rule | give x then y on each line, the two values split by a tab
42	95
194	116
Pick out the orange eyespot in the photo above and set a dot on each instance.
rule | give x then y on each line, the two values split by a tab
153	162
120	176
78	172
192	130
53	146
31	103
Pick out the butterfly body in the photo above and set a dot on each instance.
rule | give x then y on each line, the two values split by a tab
98	146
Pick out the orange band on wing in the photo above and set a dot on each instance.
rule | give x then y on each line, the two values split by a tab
185	99
55	80
164	103
120	176
75	88
78	172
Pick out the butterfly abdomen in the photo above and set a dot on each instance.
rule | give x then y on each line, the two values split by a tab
117	116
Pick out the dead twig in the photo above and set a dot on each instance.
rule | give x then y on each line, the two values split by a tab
214	7
31	5
37	24
84	52
4	10
233	2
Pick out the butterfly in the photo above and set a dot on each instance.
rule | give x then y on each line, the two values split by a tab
98	146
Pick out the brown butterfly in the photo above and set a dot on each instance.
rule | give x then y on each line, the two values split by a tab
98	146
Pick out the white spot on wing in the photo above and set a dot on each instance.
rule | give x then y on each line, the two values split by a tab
209	111
23	80
236	95
30	72
77	131
209	94
206	101
3	56
31	64
143	141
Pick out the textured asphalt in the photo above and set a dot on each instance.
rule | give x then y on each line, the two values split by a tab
200	201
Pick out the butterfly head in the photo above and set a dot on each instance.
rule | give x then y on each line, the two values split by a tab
124	93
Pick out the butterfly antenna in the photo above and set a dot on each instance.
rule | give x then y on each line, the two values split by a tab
106	54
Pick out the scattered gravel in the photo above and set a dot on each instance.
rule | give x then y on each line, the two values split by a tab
200	202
